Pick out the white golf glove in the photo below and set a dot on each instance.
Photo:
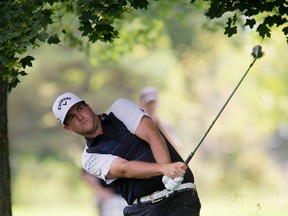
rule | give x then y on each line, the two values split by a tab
165	179
172	184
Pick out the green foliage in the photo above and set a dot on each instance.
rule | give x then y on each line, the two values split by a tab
21	25
25	24
262	15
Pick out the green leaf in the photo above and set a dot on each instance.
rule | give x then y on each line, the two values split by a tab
270	20
230	30
139	4
86	28
51	2
13	83
276	19
285	30
22	73
27	61
53	39
250	22
43	36
263	30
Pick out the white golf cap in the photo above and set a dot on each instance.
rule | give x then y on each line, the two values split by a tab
62	105
149	94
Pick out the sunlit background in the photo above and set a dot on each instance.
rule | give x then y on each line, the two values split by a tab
241	167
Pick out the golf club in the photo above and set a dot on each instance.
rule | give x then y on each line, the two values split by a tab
256	53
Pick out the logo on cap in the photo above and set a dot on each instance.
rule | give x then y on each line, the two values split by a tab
63	102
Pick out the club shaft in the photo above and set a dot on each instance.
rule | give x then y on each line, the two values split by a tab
212	124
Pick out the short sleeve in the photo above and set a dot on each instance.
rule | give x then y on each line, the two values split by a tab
128	112
98	164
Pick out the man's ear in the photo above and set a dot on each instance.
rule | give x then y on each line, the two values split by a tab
66	128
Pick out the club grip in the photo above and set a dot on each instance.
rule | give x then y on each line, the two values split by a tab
189	158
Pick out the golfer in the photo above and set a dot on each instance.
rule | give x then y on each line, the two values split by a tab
125	149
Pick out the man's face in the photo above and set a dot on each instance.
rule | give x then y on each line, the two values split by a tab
81	119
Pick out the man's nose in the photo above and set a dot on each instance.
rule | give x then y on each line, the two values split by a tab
79	116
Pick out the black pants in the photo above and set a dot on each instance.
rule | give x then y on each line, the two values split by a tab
185	203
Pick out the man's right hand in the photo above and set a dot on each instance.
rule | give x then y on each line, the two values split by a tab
174	170
173	175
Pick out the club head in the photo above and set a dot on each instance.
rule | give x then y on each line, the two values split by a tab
257	51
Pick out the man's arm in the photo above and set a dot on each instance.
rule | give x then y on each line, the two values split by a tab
110	167
147	131
121	168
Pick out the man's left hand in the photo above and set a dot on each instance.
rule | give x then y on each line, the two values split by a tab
173	184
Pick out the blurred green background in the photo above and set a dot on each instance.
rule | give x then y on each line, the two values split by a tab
241	167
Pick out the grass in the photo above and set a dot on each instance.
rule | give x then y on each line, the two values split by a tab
71	210
244	204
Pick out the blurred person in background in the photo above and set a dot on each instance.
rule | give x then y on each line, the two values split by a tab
149	101
107	201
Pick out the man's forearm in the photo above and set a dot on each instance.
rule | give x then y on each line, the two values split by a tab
121	168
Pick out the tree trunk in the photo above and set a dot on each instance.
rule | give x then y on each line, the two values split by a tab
5	190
